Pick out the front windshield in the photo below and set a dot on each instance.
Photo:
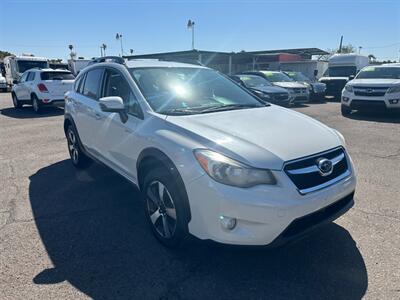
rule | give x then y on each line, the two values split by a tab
297	76
344	71
276	77
24	65
254	81
380	72
190	90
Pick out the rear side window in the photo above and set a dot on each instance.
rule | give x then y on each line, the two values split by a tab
92	83
57	76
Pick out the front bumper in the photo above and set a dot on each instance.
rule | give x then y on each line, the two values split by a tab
265	214
371	103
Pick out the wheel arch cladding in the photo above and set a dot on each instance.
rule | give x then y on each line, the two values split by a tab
151	158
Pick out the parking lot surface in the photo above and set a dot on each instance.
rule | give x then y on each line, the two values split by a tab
82	234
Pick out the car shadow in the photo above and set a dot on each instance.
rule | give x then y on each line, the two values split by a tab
376	116
93	228
27	112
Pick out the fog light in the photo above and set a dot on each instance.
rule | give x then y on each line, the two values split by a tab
46	100
227	223
345	99
394	101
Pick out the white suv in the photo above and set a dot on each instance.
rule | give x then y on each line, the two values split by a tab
374	88
209	158
42	87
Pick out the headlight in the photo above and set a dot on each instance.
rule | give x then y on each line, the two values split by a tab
348	88
395	89
231	172
262	95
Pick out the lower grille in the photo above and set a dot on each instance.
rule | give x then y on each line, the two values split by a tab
280	97
302	224
307	176
367	104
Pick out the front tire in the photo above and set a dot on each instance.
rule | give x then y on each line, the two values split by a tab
165	209
79	159
346	111
16	103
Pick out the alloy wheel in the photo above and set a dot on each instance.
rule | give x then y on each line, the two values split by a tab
73	146
161	209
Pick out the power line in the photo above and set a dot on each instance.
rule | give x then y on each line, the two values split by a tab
386	46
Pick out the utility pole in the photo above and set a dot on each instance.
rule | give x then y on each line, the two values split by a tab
119	37
104	46
101	51
190	26
340	45
359	49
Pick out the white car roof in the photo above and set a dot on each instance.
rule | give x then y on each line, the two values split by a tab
48	70
148	63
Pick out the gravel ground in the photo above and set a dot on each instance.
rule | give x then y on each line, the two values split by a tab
66	234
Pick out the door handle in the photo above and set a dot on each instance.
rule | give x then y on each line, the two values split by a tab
98	116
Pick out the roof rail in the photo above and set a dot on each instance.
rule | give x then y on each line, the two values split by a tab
114	59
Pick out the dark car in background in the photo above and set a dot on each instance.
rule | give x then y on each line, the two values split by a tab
317	89
263	89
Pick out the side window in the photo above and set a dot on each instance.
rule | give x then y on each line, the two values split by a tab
116	85
92	83
23	77
31	76
77	84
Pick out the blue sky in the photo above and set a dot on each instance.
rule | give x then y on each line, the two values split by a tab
46	27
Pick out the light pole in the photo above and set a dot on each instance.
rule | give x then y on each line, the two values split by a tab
359	49
104	46
119	37
190	26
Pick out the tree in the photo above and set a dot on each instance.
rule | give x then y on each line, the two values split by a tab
345	49
4	54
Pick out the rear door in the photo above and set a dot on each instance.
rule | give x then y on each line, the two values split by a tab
57	83
86	107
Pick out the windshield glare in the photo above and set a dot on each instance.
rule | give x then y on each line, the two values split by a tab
379	72
297	76
189	89
24	65
344	71
276	77
254	81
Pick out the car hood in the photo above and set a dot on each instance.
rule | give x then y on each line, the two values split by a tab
270	89
375	82
260	137
287	84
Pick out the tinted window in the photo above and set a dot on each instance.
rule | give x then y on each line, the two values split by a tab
116	85
56	76
344	71
380	72
24	65
92	83
23	77
31	76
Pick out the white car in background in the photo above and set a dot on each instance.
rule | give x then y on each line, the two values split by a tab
210	158
42	87
374	88
3	84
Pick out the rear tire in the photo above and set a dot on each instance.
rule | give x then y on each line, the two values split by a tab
16	103
165	204
37	107
346	111
79	159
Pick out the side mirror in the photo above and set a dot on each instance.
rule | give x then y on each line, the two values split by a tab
315	73
15	81
351	77
237	80
114	104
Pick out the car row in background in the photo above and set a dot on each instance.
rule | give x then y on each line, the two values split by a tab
42	87
283	88
3	84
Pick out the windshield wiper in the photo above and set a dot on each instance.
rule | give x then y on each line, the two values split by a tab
229	107
178	111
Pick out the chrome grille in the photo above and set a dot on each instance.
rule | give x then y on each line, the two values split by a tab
306	175
369	91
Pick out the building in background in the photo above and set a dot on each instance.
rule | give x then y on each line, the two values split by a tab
233	62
